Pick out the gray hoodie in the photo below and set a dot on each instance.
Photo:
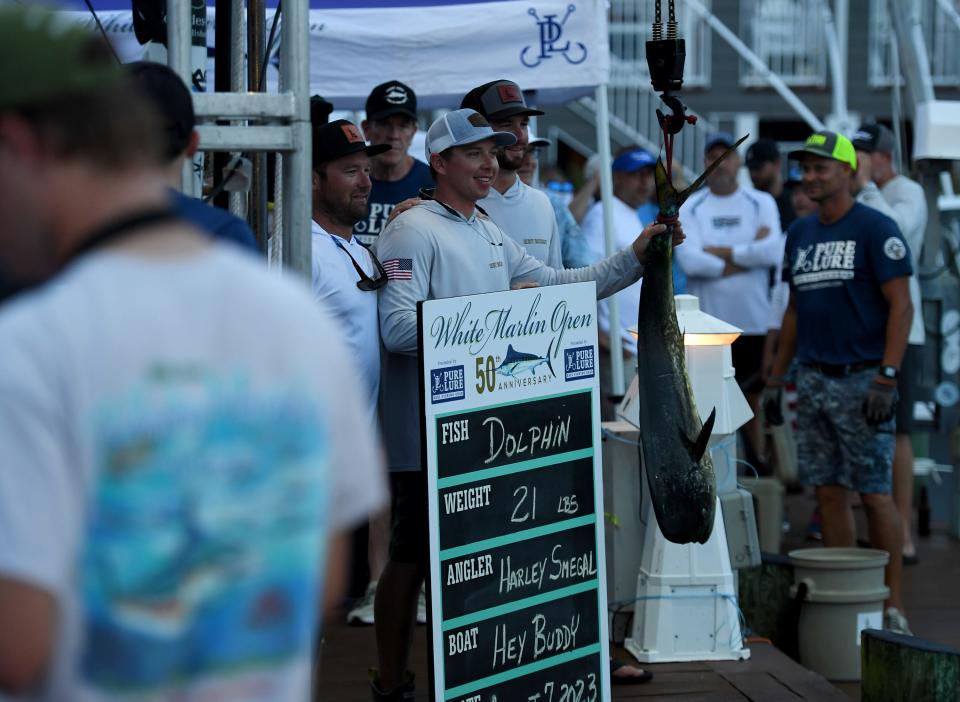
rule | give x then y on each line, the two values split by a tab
447	256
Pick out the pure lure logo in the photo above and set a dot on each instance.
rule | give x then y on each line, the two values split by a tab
551	32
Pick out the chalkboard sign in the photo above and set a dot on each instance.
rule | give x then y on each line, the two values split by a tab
511	437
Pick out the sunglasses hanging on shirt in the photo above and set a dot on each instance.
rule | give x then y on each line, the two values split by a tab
366	283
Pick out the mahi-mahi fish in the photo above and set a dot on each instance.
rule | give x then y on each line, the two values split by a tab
674	442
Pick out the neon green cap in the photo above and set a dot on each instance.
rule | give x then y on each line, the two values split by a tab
828	145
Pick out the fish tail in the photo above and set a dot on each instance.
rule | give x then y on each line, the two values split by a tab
549	354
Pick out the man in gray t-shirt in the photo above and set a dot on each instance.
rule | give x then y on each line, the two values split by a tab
446	247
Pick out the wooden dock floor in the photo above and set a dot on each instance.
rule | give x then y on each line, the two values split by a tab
930	589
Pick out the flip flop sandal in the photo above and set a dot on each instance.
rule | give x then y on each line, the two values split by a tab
615	665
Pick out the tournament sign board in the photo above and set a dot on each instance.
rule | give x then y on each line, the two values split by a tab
511	436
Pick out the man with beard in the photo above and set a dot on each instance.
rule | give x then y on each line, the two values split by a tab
523	212
346	276
395	174
734	241
766	173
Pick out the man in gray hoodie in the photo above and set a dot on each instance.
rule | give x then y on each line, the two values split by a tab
446	247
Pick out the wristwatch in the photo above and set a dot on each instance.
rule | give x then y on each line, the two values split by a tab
888	372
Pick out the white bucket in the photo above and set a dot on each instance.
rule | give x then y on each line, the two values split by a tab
844	595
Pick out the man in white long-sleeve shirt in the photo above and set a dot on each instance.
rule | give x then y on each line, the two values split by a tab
907	206
443	248
734	240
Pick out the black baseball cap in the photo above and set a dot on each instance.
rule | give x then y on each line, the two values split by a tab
498	99
873	138
391	98
762	151
171	99
341	138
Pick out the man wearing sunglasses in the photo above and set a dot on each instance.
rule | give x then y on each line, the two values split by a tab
346	275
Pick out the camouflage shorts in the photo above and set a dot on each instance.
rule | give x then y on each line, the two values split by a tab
835	444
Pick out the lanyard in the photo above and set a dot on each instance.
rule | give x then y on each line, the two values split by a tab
366	283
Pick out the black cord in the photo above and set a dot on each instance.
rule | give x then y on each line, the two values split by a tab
102	31
273	33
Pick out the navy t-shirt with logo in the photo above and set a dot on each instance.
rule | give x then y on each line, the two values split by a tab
835	273
384	195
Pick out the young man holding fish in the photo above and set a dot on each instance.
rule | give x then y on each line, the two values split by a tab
446	247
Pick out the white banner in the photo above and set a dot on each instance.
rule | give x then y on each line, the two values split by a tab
558	48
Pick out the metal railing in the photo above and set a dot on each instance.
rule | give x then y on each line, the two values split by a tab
940	30
630	28
788	36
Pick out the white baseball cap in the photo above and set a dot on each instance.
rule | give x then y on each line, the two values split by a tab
536	141
462	127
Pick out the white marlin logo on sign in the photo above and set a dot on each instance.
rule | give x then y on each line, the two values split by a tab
551	32
395	95
517	362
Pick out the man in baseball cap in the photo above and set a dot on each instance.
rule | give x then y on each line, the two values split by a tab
633	190
174	104
875	145
445	247
396	176
829	145
522	211
765	166
736	240
184	357
847	324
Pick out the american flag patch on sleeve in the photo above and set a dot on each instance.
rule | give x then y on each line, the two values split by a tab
399	268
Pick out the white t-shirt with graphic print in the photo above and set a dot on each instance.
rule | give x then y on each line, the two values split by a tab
176	435
710	220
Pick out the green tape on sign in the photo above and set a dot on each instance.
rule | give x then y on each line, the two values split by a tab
519	604
514	468
487	544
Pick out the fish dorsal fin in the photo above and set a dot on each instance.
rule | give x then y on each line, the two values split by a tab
700	447
510	351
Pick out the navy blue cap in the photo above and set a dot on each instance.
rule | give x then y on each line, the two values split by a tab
633	161
724	139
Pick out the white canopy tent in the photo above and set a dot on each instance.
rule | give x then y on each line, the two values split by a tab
556	49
